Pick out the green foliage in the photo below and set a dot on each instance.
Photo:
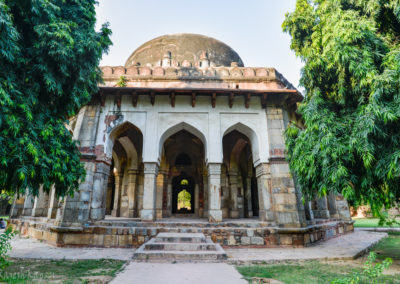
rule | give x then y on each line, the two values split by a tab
122	81
369	274
350	144
49	56
5	247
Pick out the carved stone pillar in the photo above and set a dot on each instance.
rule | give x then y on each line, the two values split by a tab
169	199
205	196
233	186
248	198
214	193
53	204
140	191
148	212
264	193
132	200
116	212
159	193
196	200
40	205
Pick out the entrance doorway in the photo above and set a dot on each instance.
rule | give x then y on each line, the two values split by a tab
183	194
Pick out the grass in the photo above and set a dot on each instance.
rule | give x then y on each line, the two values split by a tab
389	247
61	271
370	223
311	272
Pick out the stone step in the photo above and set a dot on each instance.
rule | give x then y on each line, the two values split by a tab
180	238
183	247
182	256
180	246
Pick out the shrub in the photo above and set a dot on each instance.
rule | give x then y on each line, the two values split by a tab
5	247
368	274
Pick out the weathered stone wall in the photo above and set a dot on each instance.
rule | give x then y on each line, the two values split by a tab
107	234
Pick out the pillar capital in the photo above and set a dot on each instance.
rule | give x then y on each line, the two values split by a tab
263	169
133	172
150	168
214	168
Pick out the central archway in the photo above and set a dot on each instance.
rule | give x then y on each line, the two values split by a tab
181	188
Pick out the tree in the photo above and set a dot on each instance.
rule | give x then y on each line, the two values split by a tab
49	57
350	143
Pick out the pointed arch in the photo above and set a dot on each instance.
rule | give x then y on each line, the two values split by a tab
178	127
117	131
131	152
251	135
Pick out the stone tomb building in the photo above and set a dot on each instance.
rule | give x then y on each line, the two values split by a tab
185	138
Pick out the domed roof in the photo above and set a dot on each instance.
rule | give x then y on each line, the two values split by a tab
184	50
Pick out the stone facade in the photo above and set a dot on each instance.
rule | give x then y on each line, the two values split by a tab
199	140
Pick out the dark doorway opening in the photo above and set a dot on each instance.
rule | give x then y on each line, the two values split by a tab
183	194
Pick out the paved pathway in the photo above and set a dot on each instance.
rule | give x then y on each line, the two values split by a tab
344	247
348	246
168	273
31	248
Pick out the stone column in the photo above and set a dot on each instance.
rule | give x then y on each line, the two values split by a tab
322	208
148	212
116	212
205	196
264	193
342	208
331	198
132	200
159	193
99	192
214	193
75	210
196	200
28	204
169	199
282	187
308	210
233	186
53	204
140	191
17	207
41	203
248	198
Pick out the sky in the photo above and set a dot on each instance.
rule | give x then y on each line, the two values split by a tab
251	27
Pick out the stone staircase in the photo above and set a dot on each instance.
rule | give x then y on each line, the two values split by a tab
180	247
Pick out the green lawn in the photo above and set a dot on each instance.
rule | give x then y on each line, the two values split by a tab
61	271
369	222
310	272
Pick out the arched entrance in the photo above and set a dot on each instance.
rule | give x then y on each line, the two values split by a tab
239	184
183	169
125	183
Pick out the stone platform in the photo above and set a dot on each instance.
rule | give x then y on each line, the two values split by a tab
120	232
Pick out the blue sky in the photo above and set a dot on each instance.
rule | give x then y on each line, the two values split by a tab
251	27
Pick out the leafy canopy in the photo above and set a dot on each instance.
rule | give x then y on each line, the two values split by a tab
49	56
350	144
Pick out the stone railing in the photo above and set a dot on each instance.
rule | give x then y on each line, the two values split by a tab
194	73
